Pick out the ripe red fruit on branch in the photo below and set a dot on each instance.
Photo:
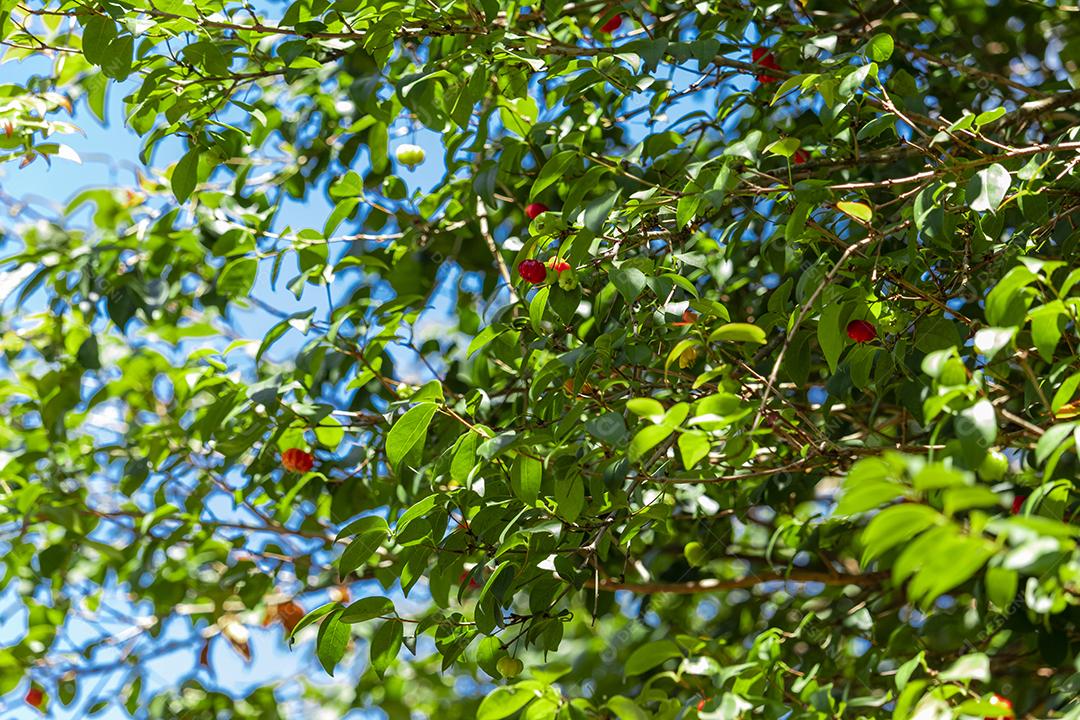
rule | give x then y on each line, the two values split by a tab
296	460
1018	504
558	265
1004	702
611	25
290	614
535	209
34	697
861	331
765	59
532	271
689	317
800	157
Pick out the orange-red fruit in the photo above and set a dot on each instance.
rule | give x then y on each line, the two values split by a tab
701	705
290	614
611	25
765	59
558	265
34	697
533	210
861	331
800	157
532	271
296	460
996	699
689	317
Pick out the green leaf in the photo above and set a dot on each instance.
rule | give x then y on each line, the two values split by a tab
1065	392
464	459
118	57
626	709
99	33
904	672
367	608
628	281
552	172
857	210
341	211
894	526
877	126
648	438
738	332
694	446
609	428
784	147
746	147
1001	585
329	432
504	702
945	563
238	277
408	433
677	351
569	496
649	655
597	212
88	355
958	499
349	185
185	175
1005	305
646	407
537	305
361	548
987	188
313	616
519	114
385	644
332	640
687	207
803	81
830	332
985	118
418	509
880	47
975	666
989	341
860	498
525	477
1046	325
976	427
1051	439
855	79
364	525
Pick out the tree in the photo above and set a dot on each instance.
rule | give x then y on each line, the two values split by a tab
729	368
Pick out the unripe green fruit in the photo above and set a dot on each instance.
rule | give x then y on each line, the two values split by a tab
509	666
994	466
695	554
568	280
411	155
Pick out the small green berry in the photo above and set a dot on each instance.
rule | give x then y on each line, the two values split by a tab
509	667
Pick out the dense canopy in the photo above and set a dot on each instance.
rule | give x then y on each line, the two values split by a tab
644	360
